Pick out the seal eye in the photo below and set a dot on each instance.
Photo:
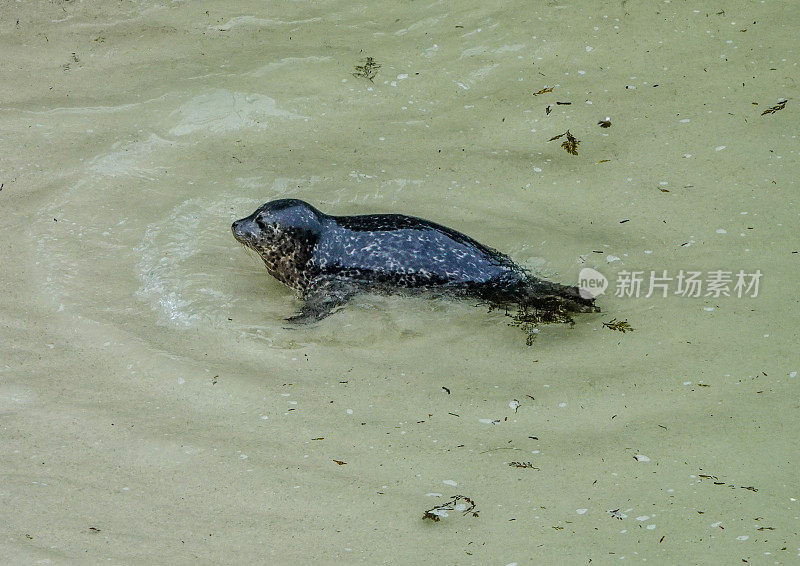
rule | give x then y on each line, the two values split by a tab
260	223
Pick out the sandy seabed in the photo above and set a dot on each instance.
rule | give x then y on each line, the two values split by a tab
155	409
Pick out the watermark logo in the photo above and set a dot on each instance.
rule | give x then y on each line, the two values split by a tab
684	283
591	283
714	284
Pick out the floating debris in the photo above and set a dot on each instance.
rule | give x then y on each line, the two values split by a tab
620	326
455	503
617	514
528	318
368	70
544	90
522	465
570	144
780	106
605	123
730	485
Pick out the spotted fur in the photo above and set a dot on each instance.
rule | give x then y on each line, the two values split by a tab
327	259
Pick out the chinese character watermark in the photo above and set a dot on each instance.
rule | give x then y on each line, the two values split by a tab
684	283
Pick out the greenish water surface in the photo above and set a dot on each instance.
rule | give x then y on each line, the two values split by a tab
155	408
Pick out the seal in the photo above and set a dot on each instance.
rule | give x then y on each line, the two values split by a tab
329	259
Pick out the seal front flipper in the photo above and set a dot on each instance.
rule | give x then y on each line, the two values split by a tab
321	300
315	309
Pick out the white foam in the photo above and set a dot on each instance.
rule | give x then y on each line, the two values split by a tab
137	158
220	111
252	21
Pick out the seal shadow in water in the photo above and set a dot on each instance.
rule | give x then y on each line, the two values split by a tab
329	259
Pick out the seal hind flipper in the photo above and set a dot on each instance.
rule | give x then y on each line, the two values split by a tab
546	295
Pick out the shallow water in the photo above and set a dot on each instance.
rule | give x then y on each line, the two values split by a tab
154	406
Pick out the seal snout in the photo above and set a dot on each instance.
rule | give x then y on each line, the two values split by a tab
244	230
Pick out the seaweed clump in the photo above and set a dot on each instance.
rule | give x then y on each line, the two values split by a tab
619	325
780	106
369	70
455	503
528	317
570	144
522	465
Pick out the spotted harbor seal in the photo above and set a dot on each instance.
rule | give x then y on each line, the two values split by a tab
328	259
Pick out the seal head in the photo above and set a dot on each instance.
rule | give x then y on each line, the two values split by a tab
284	233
